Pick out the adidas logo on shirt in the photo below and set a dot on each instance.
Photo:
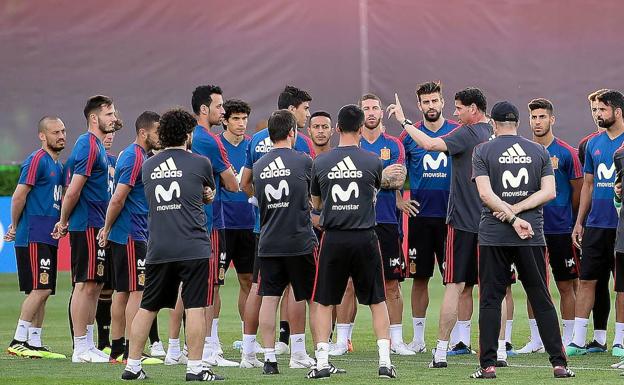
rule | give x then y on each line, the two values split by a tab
166	169
514	155
275	169
344	169
265	146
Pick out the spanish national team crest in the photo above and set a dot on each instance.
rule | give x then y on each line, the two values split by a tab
385	154
44	278
142	279
555	162
412	267
100	270
221	273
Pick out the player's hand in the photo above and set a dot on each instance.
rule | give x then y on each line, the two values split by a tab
577	235
9	236
396	109
500	215
394	171
208	195
60	230
617	189
523	228
316	221
408	206
102	237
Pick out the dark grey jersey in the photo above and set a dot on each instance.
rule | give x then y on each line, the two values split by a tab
464	203
618	161
347	180
174	184
515	166
282	184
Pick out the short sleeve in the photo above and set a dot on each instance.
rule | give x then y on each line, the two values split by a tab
589	162
210	146
479	166
398	155
85	155
208	174
129	171
408	143
547	168
315	188
248	158
573	165
459	140
30	170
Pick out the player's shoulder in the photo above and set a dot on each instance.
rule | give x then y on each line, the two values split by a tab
596	139
452	123
34	156
392	140
565	147
586	138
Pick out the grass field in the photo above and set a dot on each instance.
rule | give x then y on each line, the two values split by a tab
361	365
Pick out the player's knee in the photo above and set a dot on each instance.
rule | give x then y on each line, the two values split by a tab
41	294
566	288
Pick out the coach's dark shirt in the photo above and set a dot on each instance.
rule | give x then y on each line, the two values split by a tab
618	161
515	166
282	183
464	203
347	180
174	184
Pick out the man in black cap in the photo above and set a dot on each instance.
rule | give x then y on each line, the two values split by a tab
514	177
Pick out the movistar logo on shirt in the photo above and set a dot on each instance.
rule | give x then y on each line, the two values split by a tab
514	181
276	194
344	169
166	169
514	155
265	146
429	163
605	175
275	169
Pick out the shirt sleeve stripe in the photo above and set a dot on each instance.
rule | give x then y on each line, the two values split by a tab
222	150
401	159
578	170
310	146
138	163
92	155
32	169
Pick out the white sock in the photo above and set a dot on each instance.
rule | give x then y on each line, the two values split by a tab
134	365
81	345
173	348
419	330
464	332
193	366
297	343
34	337
90	340
618	339
568	331
454	338
580	331
21	331
501	352
441	349
242	327
536	339
396	334
351	330
508	329
249	342
269	355
322	355
383	347
214	331
600	336
342	334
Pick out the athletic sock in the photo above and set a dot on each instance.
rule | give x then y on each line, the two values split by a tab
396	334
284	333
297	343
508	329
193	366
501	352
249	341
536	339
322	355
80	344
21	331
464	332
383	347
126	349
454	337
580	331
441	349
103	320
618	339
117	347
419	329
351	326
153	333
269	355
173	348
568	331
214	332
90	341
600	336
34	337
134	366
342	334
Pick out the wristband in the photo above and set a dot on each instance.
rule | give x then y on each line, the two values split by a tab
316	212
512	220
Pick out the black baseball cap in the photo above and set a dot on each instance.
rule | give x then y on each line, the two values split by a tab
505	112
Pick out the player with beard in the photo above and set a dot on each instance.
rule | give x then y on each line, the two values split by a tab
82	214
207	103
429	175
460	273
391	152
35	207
596	236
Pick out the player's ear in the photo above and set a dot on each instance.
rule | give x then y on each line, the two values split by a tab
204	109
42	136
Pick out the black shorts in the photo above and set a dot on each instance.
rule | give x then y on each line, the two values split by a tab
562	256
89	262
256	266
239	249
344	254
36	267
597	256
279	272
426	238
460	263
619	272
162	282
391	251
128	265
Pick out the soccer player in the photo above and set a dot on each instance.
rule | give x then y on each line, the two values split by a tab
320	131
287	243
514	177
391	152
596	235
430	177
125	227
82	214
207	103
344	186
35	207
298	102
460	273
176	184
558	219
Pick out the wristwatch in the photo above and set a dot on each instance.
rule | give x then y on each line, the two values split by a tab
406	122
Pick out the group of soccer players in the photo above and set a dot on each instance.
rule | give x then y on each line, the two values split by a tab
306	225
